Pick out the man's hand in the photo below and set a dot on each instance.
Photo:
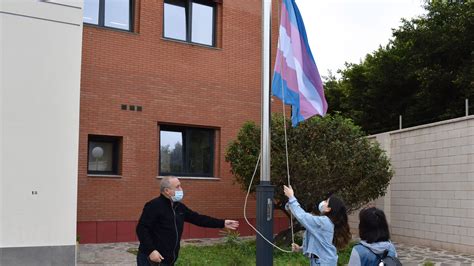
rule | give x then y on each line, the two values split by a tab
295	247
155	256
288	191
231	224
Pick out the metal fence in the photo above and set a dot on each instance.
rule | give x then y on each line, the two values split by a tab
467	110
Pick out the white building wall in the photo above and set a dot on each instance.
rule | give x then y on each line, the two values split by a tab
39	109
431	196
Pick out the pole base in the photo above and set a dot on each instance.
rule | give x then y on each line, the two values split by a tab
265	192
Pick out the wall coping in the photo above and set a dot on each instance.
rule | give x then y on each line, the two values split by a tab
435	124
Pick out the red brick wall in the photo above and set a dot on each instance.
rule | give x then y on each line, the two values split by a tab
174	83
124	231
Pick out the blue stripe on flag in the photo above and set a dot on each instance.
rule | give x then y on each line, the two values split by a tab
291	98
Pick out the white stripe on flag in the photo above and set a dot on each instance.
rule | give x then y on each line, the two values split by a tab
304	84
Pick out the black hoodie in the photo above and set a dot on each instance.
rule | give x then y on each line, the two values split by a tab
161	225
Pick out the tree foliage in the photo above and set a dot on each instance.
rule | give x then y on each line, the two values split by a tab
326	155
425	72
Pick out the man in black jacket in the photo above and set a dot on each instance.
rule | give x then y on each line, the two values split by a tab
160	226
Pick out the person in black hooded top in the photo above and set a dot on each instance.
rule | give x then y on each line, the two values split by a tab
160	226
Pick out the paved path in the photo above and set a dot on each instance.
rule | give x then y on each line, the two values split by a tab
116	254
416	255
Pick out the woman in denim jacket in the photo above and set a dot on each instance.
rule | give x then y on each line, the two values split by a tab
375	239
324	234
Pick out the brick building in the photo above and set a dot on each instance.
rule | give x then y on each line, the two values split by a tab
165	86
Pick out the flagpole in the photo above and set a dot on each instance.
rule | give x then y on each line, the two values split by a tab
265	190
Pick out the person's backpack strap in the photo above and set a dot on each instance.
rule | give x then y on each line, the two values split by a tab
389	260
384	258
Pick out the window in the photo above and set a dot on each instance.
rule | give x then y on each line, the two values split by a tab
186	151
190	21
109	13
103	156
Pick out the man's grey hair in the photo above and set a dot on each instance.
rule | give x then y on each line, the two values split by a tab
166	182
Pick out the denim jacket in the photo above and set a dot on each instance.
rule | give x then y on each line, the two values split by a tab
362	256
318	236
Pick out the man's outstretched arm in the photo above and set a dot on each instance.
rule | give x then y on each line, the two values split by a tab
207	221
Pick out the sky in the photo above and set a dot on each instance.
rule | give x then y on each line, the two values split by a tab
342	31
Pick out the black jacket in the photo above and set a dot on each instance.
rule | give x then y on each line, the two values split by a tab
161	225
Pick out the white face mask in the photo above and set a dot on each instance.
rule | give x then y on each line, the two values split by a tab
321	206
178	195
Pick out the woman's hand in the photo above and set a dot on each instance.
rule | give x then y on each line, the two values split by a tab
295	247
288	191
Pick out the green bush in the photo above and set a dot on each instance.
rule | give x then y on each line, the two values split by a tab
326	155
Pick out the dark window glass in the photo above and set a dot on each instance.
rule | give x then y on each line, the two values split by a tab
186	151
171	151
103	156
190	20
200	151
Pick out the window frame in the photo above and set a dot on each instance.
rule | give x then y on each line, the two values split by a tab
189	20
116	154
186	152
101	16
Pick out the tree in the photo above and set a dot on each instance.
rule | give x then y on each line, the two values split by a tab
326	155
424	73
171	158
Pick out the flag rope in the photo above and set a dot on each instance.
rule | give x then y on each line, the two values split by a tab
287	165
286	136
245	210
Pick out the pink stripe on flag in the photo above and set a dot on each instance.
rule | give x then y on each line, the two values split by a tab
306	108
301	54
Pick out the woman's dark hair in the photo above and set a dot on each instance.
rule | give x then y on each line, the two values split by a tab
338	216
373	226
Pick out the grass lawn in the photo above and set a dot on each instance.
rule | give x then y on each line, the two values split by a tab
242	253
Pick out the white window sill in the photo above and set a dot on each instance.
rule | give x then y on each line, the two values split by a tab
105	176
193	177
191	43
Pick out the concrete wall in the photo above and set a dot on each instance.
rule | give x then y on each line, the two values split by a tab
431	197
39	130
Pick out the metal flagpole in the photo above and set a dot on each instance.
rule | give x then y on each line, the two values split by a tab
265	190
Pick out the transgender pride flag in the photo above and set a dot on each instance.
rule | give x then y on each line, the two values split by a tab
296	76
